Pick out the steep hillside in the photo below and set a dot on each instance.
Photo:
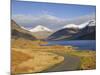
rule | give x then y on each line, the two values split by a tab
63	34
74	33
18	32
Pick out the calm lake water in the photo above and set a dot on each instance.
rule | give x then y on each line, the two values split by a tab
81	44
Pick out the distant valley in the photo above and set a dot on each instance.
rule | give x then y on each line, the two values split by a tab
41	32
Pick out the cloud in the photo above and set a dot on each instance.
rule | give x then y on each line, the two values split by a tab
32	21
50	21
82	19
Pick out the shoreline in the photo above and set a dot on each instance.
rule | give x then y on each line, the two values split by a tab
84	59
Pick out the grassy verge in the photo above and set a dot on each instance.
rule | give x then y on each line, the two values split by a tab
27	61
88	59
44	57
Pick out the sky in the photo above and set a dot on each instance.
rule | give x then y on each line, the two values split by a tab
52	15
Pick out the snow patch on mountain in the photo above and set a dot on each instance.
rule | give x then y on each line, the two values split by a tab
24	28
81	26
40	28
71	26
92	23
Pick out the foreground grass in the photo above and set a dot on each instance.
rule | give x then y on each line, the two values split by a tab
88	59
25	61
29	56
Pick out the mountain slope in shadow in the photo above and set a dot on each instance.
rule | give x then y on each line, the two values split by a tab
18	32
87	33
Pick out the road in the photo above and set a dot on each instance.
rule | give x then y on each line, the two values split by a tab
70	63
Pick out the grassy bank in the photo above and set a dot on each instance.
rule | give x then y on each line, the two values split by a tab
27	61
88	58
30	56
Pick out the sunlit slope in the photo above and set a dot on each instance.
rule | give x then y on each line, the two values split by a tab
26	61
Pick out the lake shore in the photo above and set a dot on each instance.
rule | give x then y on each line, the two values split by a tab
66	56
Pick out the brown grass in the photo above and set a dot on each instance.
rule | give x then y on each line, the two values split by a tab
28	56
17	58
88	59
36	61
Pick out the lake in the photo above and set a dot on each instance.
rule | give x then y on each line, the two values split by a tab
81	44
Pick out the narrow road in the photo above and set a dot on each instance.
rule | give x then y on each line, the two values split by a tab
70	63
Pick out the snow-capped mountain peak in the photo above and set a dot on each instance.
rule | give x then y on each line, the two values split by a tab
40	28
76	26
71	26
92	23
81	26
23	28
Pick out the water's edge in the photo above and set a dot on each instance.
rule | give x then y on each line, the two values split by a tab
80	44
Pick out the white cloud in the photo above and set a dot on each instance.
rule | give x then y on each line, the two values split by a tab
32	21
50	21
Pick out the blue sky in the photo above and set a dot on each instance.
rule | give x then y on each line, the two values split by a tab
55	11
59	10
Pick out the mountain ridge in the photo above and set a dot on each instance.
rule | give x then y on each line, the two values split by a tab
40	28
87	32
18	32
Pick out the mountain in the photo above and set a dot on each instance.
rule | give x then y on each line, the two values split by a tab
40	28
24	28
80	26
18	32
85	31
41	32
63	33
71	26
